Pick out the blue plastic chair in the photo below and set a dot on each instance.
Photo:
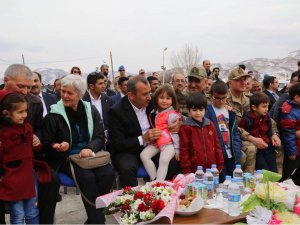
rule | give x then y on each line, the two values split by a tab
67	181
142	173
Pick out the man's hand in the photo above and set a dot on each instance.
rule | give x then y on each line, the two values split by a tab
258	142
84	153
175	126
276	142
177	156
36	141
298	134
292	157
62	147
151	135
228	107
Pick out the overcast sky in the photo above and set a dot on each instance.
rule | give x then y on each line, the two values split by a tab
61	34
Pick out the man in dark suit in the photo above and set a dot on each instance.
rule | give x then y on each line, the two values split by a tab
271	85
95	95
47	99
122	83
129	131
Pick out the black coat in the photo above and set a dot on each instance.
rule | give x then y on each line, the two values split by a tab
35	114
105	103
56	130
124	127
271	97
49	100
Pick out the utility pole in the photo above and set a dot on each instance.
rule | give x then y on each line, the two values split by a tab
163	66
112	66
23	59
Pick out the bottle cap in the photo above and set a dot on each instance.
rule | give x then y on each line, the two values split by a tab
213	166
234	180
259	171
199	167
228	177
238	166
208	170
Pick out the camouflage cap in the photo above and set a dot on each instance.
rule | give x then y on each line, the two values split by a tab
237	73
198	72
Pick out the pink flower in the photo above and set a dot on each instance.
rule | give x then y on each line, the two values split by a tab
297	206
274	219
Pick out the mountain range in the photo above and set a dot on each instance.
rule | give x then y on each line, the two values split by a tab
282	68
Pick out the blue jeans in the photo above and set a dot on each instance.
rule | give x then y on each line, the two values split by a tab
25	209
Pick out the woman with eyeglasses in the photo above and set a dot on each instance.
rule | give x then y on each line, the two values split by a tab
75	71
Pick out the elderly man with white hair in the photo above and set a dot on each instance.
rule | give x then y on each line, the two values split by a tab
72	127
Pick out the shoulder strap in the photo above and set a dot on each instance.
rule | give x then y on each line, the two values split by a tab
74	178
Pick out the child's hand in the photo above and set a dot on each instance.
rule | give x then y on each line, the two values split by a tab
298	134
175	126
292	157
177	156
276	142
36	141
151	135
228	107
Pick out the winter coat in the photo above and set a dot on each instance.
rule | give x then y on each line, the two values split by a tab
162	121
16	158
57	129
199	146
235	137
289	119
257	126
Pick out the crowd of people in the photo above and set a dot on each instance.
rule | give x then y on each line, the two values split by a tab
196	120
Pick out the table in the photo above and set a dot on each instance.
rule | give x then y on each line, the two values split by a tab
207	216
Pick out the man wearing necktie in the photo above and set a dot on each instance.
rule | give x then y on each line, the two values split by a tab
271	85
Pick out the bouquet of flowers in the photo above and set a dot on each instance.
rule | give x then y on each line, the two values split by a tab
272	202
141	204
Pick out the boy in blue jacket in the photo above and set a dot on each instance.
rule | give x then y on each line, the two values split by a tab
289	119
227	129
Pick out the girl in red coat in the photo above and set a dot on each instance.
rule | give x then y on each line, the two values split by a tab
199	143
18	184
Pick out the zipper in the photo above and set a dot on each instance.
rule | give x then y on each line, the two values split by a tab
204	144
231	139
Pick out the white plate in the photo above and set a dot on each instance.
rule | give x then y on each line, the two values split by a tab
196	205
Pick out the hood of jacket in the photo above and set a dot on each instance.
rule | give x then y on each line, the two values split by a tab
3	95
189	121
59	109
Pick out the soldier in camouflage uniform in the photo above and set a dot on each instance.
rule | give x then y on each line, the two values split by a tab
196	84
239	102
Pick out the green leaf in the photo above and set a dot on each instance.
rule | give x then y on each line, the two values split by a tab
270	176
251	203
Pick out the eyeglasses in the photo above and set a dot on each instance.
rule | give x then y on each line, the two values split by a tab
76	71
121	70
219	98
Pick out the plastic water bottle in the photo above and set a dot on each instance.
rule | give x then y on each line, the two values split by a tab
258	177
199	174
225	192
234	196
238	174
215	173
209	182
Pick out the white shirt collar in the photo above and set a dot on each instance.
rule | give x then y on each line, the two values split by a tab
137	110
92	98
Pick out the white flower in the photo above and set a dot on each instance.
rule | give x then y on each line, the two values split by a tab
165	196
158	190
145	189
259	215
148	215
131	219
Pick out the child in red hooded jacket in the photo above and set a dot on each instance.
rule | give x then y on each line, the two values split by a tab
18	183
199	142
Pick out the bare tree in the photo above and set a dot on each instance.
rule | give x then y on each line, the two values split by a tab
186	58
